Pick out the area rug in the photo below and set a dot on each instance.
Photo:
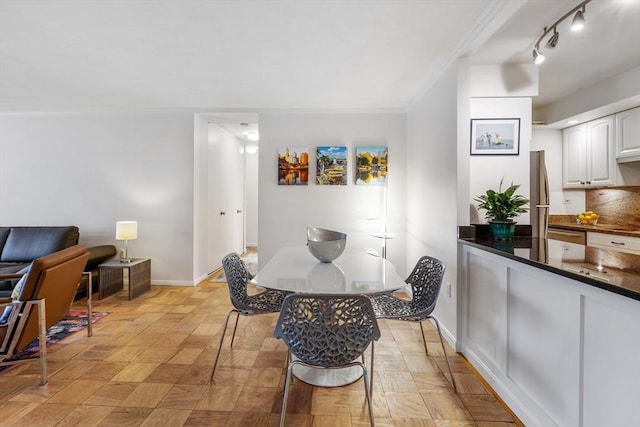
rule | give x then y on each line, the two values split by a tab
74	322
250	258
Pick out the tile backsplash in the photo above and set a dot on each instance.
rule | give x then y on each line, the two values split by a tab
617	206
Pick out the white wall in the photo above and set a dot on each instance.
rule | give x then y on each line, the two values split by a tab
605	97
498	80
91	170
432	186
286	211
201	265
550	140
486	171
251	198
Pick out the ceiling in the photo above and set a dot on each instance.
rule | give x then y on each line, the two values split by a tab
255	55
608	45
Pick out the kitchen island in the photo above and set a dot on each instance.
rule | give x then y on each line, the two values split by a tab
554	328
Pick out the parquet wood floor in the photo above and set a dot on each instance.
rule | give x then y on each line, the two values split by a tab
148	364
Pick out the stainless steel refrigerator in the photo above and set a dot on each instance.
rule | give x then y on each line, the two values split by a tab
539	200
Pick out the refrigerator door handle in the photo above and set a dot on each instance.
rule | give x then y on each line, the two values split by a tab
543	206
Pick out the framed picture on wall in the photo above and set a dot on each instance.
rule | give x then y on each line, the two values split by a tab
331	165
371	165
293	166
495	137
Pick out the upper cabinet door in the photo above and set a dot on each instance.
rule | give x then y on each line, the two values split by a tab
601	162
628	135
574	171
589	154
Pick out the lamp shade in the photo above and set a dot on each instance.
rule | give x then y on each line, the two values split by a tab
126	230
578	21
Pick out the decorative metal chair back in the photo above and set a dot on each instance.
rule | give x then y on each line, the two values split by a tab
327	330
237	276
425	280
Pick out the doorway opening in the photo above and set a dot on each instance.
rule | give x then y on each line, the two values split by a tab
225	188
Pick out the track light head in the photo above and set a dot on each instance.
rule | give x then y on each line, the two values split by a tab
553	40
538	57
578	21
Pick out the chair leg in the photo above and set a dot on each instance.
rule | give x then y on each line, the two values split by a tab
371	375
424	341
286	366
444	350
367	392
233	337
287	381
224	330
42	338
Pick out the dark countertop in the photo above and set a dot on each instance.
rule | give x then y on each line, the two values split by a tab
600	228
610	270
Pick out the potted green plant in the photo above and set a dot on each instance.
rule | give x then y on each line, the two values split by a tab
501	207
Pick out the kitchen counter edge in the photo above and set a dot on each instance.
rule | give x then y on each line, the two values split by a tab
485	245
605	229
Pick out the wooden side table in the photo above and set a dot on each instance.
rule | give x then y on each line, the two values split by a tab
112	277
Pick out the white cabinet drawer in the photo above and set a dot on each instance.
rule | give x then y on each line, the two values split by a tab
612	241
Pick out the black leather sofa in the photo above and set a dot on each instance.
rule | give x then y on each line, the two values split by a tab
19	246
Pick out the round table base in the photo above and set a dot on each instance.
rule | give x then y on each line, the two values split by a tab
327	377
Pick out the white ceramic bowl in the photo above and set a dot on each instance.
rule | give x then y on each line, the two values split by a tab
325	245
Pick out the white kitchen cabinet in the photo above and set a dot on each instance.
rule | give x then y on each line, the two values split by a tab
628	135
589	154
627	244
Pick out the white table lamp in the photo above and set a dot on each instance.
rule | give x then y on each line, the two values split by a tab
126	230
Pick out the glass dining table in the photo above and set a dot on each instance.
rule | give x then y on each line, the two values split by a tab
356	271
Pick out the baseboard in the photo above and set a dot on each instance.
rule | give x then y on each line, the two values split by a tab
491	390
446	333
521	413
175	283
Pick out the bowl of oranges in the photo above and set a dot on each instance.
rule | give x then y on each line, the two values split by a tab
587	218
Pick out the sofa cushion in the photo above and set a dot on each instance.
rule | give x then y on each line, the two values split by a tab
6	285
12	267
4	233
100	254
15	292
24	244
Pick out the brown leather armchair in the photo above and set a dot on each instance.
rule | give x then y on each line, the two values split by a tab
20	245
45	298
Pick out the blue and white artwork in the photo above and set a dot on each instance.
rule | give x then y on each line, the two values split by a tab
495	136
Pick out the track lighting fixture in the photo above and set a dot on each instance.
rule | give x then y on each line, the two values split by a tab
578	21
576	25
553	40
538	57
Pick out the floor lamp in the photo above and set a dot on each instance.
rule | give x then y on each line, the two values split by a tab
385	234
